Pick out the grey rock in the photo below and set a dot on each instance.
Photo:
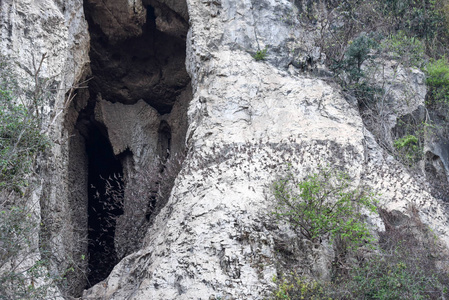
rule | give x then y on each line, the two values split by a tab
242	122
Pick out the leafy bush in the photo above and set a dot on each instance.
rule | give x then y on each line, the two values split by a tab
438	82
381	278
324	205
299	288
438	74
261	54
20	137
424	19
23	274
443	6
387	276
366	94
402	267
350	74
417	22
410	50
409	149
358	51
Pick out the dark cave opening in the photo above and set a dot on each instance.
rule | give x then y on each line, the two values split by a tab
164	141
149	65
133	57
151	18
105	204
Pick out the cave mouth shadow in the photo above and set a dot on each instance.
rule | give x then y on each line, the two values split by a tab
149	66
143	64
105	205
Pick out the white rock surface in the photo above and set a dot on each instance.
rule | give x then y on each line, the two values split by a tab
247	120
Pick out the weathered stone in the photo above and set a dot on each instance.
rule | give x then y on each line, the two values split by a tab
402	92
118	19
30	30
246	120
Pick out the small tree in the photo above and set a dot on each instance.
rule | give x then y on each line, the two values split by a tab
323	205
20	137
358	51
23	272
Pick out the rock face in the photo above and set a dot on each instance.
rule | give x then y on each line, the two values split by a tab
58	30
404	95
239	120
247	119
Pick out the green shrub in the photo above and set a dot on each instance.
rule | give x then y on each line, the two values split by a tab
410	50
422	18
438	82
23	275
438	74
358	51
324	205
443	6
349	70
20	132
402	267
425	21
365	93
299	288
261	54
405	265
380	278
409	149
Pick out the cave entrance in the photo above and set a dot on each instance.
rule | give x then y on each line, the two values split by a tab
127	130
105	203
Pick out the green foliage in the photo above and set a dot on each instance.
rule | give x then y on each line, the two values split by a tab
443	7
380	278
411	25
358	51
410	50
261	54
324	205
438	82
23	275
20	137
405	142
299	288
402	267
409	149
420	16
386	276
349	70
365	93
438	74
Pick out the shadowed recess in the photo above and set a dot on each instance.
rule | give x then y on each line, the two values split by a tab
149	65
137	52
105	192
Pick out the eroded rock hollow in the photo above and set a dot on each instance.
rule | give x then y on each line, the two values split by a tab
129	124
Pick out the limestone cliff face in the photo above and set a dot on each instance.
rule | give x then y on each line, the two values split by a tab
57	30
240	121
